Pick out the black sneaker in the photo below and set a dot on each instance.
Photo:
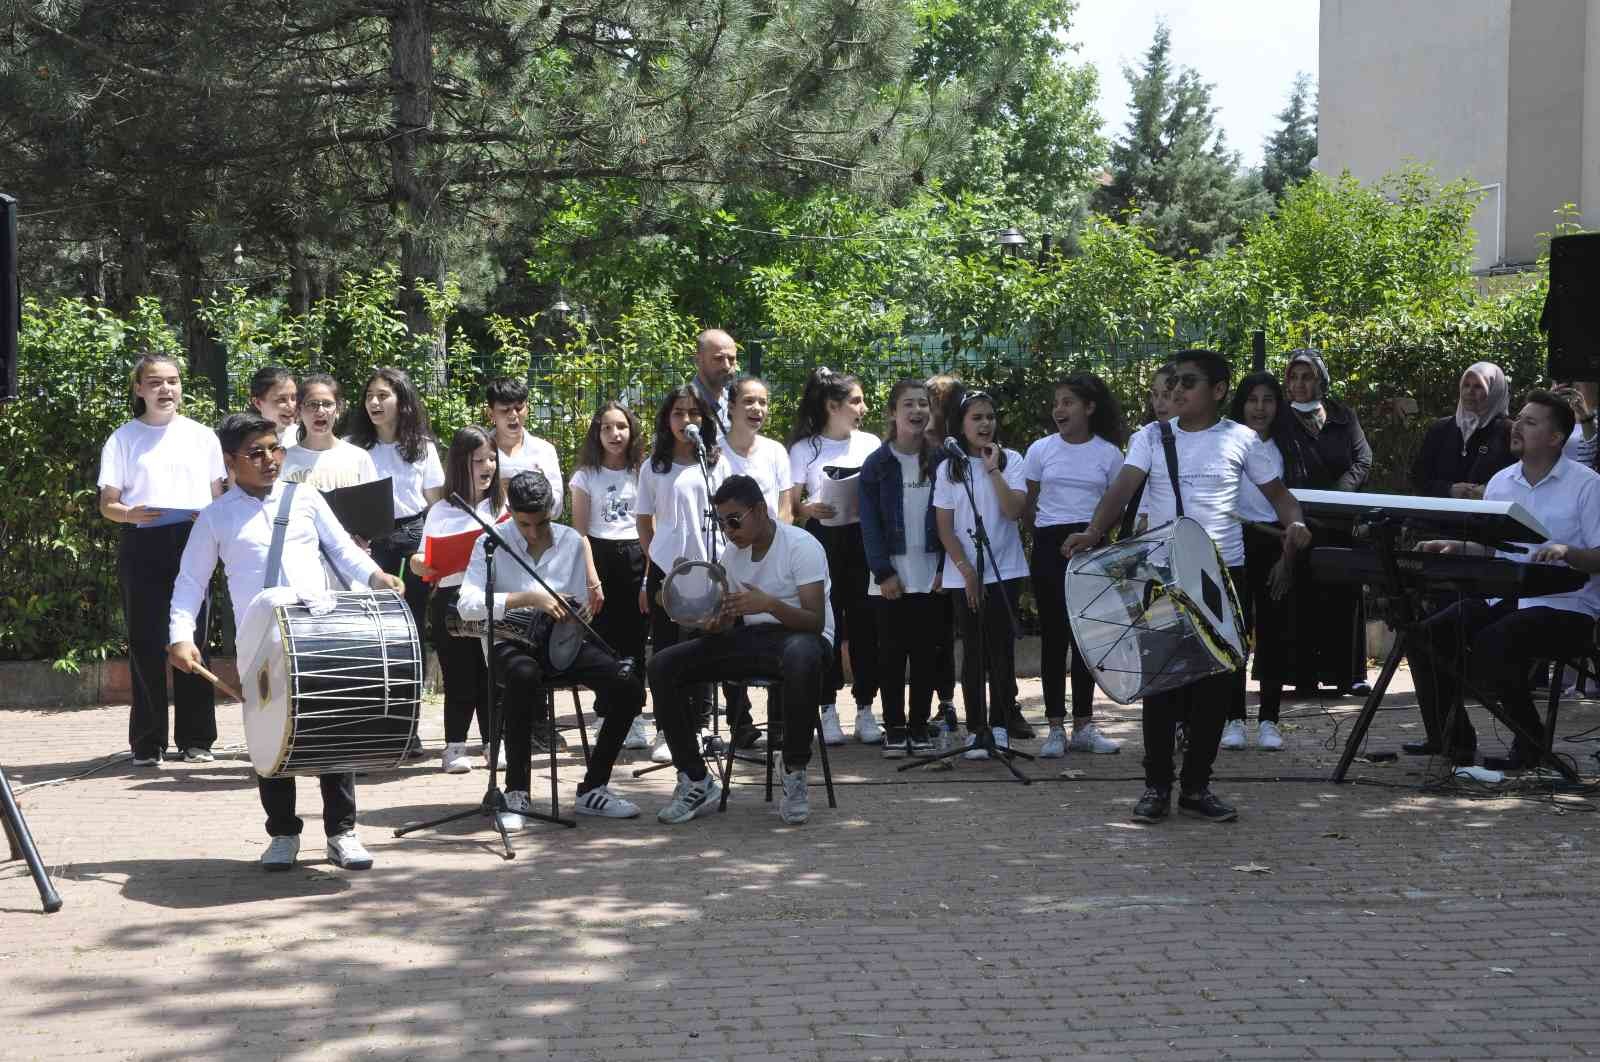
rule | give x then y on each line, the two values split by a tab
921	739
1205	805
746	736
1155	805
896	741
1017	725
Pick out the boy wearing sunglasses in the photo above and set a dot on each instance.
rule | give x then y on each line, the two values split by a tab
775	623
1214	454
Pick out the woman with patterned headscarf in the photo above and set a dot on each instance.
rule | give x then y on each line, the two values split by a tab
1462	451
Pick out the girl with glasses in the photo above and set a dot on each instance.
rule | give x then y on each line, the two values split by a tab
322	459
156	472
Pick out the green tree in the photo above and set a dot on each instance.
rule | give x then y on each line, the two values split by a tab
1289	151
1171	169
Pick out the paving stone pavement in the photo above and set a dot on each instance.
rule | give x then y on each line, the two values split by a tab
948	915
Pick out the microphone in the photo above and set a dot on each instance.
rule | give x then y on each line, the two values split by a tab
693	432
953	448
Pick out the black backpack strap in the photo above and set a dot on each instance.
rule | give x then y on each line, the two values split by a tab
1169	444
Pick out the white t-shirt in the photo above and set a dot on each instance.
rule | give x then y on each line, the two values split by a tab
1072	477
677	501
1578	448
613	493
768	465
794	559
410	478
1211	465
168	467
1005	540
341	465
916	567
536	453
808	457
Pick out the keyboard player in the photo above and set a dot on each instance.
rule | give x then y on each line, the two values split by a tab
1505	636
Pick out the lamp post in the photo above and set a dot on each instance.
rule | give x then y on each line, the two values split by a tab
1011	242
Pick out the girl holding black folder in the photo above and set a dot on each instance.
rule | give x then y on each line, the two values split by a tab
158	466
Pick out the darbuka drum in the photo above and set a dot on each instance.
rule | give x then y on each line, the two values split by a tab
333	692
693	591
555	644
1155	612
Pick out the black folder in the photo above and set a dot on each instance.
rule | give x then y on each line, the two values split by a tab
366	510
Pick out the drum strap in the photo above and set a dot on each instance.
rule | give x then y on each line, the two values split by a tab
280	531
1169	445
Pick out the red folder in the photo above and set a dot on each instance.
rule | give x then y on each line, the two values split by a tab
449	554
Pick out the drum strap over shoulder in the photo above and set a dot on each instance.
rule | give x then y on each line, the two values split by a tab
280	530
1169	445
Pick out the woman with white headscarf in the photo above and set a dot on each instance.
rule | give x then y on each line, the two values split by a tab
1462	451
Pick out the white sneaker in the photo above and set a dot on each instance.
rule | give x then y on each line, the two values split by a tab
145	761
517	803
691	799
1268	737
832	732
197	755
455	759
605	804
795	807
662	753
638	734
1087	738
1232	735
280	853
1002	740
347	851
868	732
1055	744
973	751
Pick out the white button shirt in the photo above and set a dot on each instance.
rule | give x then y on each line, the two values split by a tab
563	566
1567	502
237	529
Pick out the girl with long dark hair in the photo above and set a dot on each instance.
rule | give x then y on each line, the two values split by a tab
321	458
752	454
827	444
274	395
1068	472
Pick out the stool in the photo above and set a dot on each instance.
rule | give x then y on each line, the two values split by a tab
1586	668
577	706
774	688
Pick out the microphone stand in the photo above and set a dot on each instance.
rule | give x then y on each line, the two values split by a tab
985	738
494	800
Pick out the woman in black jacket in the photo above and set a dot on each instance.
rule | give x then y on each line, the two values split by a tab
1461	452
1331	453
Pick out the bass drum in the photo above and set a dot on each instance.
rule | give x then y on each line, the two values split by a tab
1155	612
329	691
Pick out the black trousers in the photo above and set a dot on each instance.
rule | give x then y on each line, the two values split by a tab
523	682
1270	620
147	568
466	679
854	617
752	650
338	804
393	553
664	634
999	663
944	670
1049	570
908	630
620	564
1202	707
1502	641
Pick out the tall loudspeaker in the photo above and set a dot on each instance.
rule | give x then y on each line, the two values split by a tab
10	298
1572	309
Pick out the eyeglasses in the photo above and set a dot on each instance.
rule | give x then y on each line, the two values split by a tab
734	521
1189	380
323	406
258	454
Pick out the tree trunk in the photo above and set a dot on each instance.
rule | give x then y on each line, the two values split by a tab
135	278
207	358
415	192
299	280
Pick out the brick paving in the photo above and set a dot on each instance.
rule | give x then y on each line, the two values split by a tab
950	915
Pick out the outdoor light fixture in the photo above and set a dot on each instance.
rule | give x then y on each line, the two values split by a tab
1011	242
560	308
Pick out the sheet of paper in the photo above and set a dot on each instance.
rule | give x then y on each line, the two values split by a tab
169	517
845	497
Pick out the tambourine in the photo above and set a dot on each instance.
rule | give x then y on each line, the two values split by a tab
693	592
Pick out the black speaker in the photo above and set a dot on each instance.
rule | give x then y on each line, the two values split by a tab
1571	315
10	298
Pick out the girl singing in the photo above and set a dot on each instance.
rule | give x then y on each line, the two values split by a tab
321	458
274	395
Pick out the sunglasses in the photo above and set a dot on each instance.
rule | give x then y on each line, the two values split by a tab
734	521
1189	380
258	454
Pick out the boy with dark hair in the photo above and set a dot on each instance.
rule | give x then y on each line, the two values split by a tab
506	406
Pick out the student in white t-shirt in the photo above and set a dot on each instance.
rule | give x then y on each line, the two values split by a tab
827	435
506	405
1068	472
605	492
321	459
673	506
156	463
901	538
994	475
1214	456
1156	407
749	453
274	395
391	423
449	533
940	387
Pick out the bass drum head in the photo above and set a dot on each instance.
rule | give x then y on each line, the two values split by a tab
566	641
264	681
1198	569
693	591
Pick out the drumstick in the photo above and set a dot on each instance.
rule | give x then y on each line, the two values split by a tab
218	683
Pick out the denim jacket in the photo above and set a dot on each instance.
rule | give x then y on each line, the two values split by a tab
883	532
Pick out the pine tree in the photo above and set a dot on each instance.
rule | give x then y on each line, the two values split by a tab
1290	150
